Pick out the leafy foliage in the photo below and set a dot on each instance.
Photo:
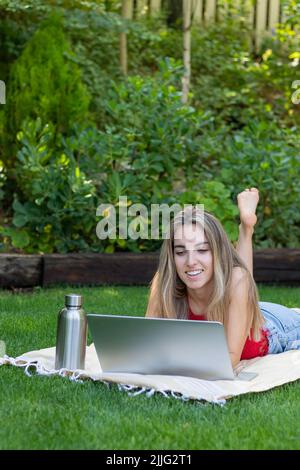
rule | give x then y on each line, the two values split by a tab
46	83
87	134
267	157
55	205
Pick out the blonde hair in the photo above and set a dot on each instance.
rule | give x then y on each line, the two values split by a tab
168	294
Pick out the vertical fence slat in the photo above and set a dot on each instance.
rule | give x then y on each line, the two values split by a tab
282	13
261	20
274	12
225	7
128	9
210	10
222	8
257	12
141	8
197	7
247	9
155	6
251	8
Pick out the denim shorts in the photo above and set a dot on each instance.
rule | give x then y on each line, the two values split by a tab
283	325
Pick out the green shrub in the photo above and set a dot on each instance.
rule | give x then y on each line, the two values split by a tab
145	146
150	129
95	41
240	129
239	84
267	157
55	206
60	180
216	198
46	83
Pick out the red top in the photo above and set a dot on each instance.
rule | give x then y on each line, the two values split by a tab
252	348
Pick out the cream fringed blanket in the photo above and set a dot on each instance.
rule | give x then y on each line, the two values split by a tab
273	370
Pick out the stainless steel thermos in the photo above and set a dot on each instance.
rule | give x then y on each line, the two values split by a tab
71	334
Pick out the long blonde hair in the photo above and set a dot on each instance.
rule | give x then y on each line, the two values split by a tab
168	294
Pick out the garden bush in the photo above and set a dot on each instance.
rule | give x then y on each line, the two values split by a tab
139	155
132	136
239	86
54	205
267	157
45	83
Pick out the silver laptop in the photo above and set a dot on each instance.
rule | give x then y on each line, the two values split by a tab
162	346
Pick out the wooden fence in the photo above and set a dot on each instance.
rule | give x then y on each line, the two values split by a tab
262	15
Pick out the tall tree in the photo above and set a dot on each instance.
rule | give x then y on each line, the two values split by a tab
126	13
155	6
187	22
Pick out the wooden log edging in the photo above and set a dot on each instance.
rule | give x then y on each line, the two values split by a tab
99	269
17	271
20	270
280	265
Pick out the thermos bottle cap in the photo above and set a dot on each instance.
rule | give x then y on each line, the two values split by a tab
73	300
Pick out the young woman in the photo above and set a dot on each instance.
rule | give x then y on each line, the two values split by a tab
201	276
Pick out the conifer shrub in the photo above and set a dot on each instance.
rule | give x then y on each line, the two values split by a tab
45	82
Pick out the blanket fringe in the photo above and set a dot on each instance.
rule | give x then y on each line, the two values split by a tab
134	390
36	368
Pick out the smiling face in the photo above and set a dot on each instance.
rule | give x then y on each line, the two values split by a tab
193	257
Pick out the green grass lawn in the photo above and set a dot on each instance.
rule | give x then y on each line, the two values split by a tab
54	413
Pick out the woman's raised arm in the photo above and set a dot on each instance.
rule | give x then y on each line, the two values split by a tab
247	203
